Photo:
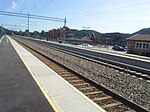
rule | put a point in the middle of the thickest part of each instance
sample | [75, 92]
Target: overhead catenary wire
[22, 6]
[12, 15]
[38, 1]
[90, 7]
[15, 14]
[25, 22]
[119, 8]
[44, 6]
[25, 4]
[31, 16]
[14, 25]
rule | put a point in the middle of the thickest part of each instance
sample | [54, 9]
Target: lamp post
[108, 40]
[86, 27]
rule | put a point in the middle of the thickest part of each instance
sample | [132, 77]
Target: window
[137, 45]
[142, 45]
[147, 46]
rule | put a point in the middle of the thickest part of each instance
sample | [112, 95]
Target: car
[125, 47]
[118, 48]
[61, 41]
[85, 45]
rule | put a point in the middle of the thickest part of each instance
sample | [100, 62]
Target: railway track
[125, 68]
[134, 64]
[104, 97]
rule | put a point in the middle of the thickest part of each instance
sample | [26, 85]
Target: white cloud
[13, 5]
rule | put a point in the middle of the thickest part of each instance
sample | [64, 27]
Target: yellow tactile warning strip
[42, 89]
[38, 83]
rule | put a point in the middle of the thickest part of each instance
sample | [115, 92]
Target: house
[139, 44]
[91, 37]
[54, 34]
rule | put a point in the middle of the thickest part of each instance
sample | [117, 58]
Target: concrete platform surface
[18, 91]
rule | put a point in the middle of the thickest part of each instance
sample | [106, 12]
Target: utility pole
[15, 28]
[65, 21]
[28, 22]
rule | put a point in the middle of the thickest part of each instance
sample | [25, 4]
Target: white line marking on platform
[1, 39]
[7, 40]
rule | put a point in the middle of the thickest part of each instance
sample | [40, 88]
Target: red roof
[140, 37]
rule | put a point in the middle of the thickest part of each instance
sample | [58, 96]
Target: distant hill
[82, 33]
[4, 31]
[143, 31]
[114, 38]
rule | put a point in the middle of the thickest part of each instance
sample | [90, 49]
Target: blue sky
[126, 16]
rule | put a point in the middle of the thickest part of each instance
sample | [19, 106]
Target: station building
[139, 44]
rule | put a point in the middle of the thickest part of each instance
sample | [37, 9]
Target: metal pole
[28, 22]
[15, 28]
[107, 43]
[65, 28]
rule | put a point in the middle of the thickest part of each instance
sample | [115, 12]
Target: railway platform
[28, 85]
[18, 90]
